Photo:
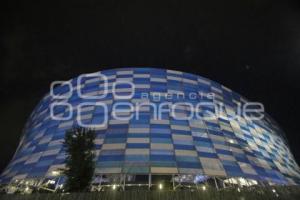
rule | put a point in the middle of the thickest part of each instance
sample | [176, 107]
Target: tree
[80, 165]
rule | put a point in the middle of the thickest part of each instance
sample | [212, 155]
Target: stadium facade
[142, 141]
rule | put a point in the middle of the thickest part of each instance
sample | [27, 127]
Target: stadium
[155, 128]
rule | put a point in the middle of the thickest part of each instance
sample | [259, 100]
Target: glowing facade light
[114, 187]
[273, 190]
[239, 190]
[160, 186]
[243, 181]
[203, 187]
[253, 182]
[55, 173]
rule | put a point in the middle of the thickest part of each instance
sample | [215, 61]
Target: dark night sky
[251, 46]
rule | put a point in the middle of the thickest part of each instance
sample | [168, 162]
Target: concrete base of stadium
[125, 182]
[281, 192]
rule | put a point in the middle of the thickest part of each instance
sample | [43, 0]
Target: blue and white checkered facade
[240, 147]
